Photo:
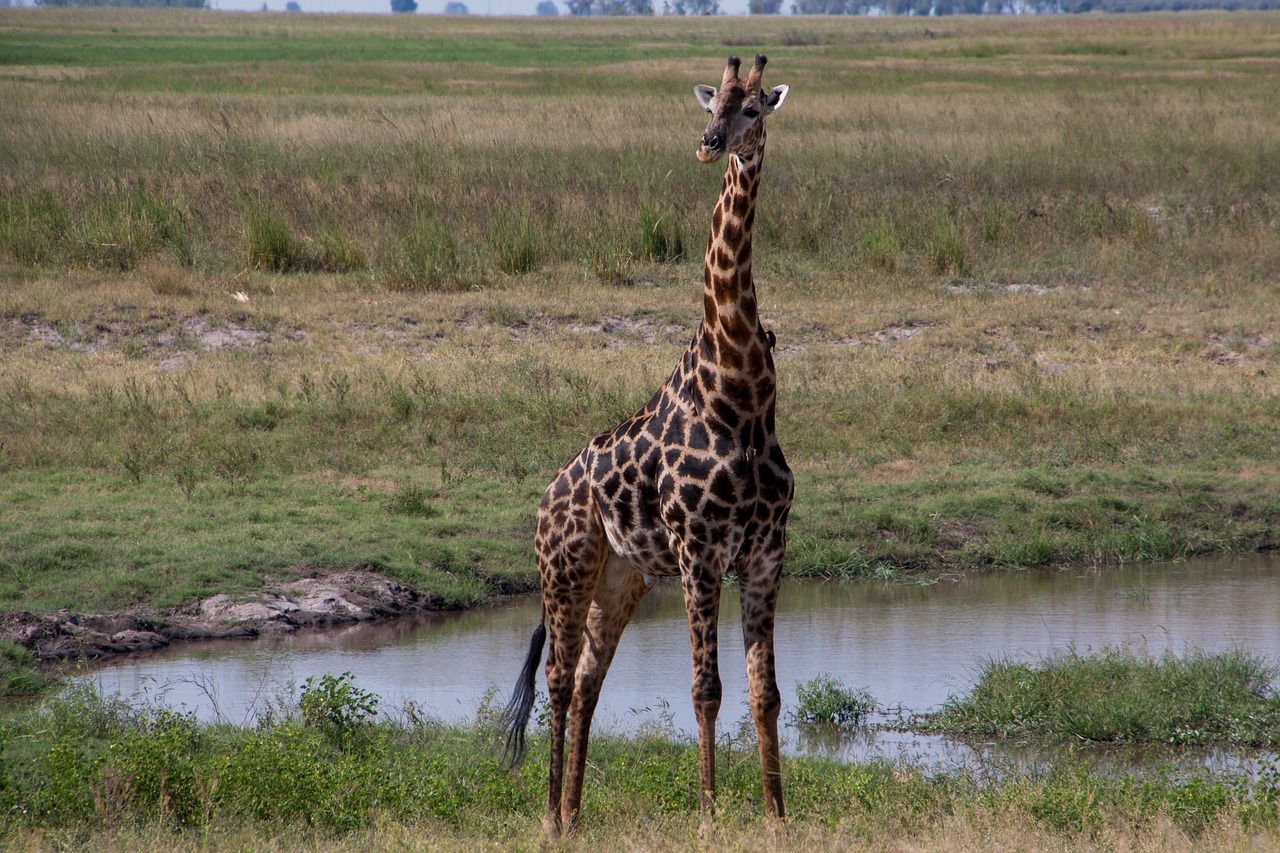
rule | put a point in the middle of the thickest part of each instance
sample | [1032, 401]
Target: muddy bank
[336, 599]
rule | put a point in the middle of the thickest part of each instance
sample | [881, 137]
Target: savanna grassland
[281, 295]
[290, 294]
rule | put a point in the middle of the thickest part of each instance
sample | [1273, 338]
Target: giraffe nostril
[711, 140]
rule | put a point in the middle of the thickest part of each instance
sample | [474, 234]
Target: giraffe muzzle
[712, 148]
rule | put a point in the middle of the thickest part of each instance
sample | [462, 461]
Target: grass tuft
[660, 238]
[426, 258]
[515, 242]
[269, 244]
[881, 246]
[944, 248]
[21, 677]
[825, 700]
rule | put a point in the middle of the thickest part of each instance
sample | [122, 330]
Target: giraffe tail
[515, 719]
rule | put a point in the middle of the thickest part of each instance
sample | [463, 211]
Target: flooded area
[911, 645]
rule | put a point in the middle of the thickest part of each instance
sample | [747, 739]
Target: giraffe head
[737, 112]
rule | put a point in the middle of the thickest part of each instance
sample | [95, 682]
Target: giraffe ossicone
[694, 485]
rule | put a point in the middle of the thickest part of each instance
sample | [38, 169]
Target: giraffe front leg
[759, 603]
[702, 606]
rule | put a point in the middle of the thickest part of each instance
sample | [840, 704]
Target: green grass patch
[21, 677]
[1118, 696]
[85, 765]
[234, 536]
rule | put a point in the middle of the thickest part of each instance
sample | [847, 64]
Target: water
[911, 645]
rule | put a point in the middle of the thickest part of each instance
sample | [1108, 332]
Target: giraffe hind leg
[616, 596]
[571, 549]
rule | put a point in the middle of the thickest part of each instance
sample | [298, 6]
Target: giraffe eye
[750, 112]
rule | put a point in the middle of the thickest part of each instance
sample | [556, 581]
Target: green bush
[825, 700]
[338, 709]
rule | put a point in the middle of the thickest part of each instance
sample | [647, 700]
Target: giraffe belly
[648, 552]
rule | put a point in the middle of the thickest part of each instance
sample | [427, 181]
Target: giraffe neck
[730, 314]
[734, 382]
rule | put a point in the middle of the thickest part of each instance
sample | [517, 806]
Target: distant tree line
[900, 7]
[128, 4]
[1071, 6]
[925, 7]
[997, 7]
[774, 7]
[408, 6]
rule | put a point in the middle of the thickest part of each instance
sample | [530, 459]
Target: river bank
[340, 598]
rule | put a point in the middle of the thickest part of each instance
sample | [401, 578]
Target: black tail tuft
[515, 719]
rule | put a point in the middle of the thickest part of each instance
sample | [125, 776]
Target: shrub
[825, 700]
[337, 708]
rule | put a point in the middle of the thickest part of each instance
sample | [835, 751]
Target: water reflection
[910, 645]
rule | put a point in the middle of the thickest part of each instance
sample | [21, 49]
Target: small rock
[139, 641]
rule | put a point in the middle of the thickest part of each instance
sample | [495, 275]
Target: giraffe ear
[704, 94]
[773, 100]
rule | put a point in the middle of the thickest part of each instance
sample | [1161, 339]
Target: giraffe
[694, 485]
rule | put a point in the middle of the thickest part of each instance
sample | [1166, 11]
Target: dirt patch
[623, 331]
[1234, 349]
[170, 339]
[336, 599]
[1015, 287]
[905, 332]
